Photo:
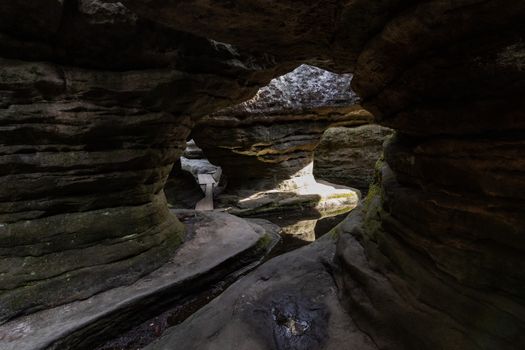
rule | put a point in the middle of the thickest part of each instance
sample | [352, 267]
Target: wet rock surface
[275, 308]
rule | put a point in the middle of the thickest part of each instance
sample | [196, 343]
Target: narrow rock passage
[98, 99]
[273, 307]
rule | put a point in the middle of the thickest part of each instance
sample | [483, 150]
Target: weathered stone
[219, 245]
[347, 156]
[439, 266]
[265, 145]
[181, 189]
[85, 152]
[434, 272]
[316, 199]
[268, 141]
[275, 308]
[192, 151]
[81, 195]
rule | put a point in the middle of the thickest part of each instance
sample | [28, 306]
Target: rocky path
[220, 244]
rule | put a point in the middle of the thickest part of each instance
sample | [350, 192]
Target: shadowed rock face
[443, 224]
[433, 261]
[327, 33]
[90, 126]
[441, 231]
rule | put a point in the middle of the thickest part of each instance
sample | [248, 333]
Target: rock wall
[440, 238]
[442, 232]
[95, 107]
[268, 142]
[81, 185]
[347, 156]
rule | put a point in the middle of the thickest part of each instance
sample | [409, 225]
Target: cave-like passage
[267, 146]
[98, 98]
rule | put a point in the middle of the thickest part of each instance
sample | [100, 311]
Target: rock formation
[181, 189]
[276, 308]
[266, 144]
[441, 232]
[219, 247]
[96, 105]
[97, 98]
[347, 155]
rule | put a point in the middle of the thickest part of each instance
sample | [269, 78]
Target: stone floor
[218, 244]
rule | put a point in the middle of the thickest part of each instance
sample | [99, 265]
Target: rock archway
[432, 260]
[437, 251]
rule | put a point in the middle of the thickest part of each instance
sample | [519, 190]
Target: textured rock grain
[91, 125]
[347, 156]
[435, 262]
[268, 142]
[440, 235]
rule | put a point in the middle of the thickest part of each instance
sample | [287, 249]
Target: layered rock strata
[90, 126]
[440, 240]
[268, 142]
[220, 248]
[347, 156]
[434, 262]
[265, 145]
[442, 231]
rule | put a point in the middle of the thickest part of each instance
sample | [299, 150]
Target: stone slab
[218, 238]
[290, 302]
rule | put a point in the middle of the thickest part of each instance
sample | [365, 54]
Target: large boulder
[347, 156]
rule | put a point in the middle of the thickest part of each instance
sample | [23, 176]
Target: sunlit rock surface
[265, 145]
[267, 141]
[347, 155]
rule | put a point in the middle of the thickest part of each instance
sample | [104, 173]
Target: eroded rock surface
[268, 142]
[441, 233]
[219, 246]
[347, 156]
[275, 308]
[440, 241]
[181, 189]
[90, 127]
[265, 145]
